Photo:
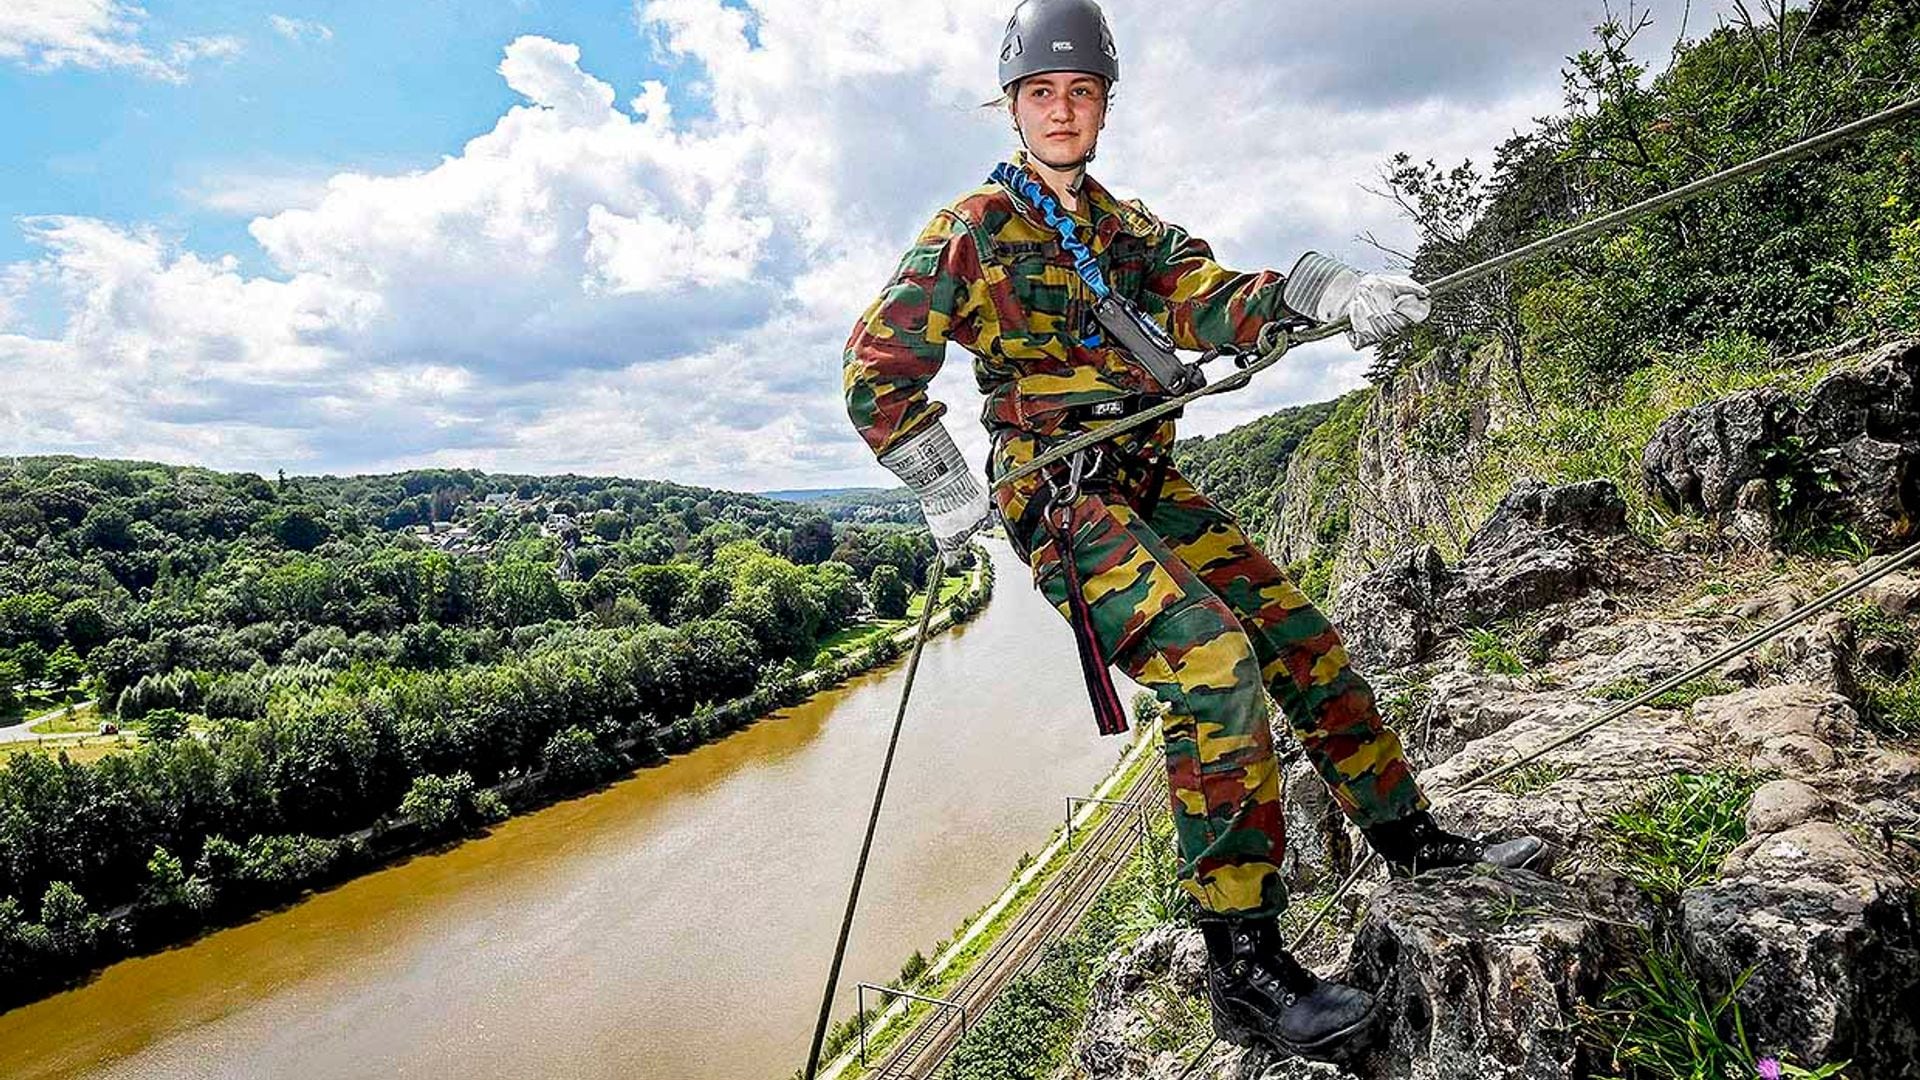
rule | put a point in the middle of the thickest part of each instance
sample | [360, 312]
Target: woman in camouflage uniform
[1152, 575]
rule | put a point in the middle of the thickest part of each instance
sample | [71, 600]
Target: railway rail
[1103, 850]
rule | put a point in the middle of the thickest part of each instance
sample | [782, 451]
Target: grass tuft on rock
[1892, 705]
[1680, 697]
[1674, 837]
[1490, 653]
[1657, 1023]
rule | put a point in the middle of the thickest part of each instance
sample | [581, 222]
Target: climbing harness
[1060, 505]
[1273, 343]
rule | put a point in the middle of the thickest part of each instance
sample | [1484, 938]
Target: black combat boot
[1415, 843]
[1261, 994]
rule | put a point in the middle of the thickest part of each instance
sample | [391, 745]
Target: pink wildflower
[1769, 1068]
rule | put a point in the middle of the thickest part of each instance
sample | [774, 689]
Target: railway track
[1102, 851]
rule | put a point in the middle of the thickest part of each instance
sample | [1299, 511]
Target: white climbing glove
[954, 503]
[1377, 306]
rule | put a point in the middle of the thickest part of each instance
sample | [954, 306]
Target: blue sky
[392, 88]
[631, 237]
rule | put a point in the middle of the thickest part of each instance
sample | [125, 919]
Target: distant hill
[1238, 468]
[872, 506]
[808, 495]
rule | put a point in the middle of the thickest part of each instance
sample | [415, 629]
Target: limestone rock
[1791, 728]
[1852, 453]
[1540, 545]
[1829, 931]
[1388, 617]
[1479, 971]
[1317, 849]
[1593, 508]
[1113, 1043]
[1783, 804]
[1700, 458]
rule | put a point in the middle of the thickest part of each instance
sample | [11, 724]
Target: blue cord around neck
[1023, 184]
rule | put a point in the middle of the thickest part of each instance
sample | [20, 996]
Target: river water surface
[676, 926]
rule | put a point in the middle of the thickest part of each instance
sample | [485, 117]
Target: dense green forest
[1236, 469]
[303, 656]
[1563, 367]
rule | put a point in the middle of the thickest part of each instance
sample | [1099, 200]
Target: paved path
[23, 731]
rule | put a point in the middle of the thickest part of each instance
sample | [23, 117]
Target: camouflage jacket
[989, 273]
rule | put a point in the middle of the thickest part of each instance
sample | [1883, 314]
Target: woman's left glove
[1377, 306]
[953, 502]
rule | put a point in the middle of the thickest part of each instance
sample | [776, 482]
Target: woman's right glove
[953, 502]
[1377, 306]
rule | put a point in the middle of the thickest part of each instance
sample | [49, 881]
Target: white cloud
[253, 192]
[98, 34]
[300, 29]
[662, 287]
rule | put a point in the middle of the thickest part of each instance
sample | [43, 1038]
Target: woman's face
[1060, 116]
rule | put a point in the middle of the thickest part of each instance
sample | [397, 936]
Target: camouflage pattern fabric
[1191, 609]
[989, 273]
[1179, 597]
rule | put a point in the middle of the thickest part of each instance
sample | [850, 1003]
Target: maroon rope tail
[1108, 714]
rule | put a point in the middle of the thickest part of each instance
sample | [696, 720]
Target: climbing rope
[1273, 344]
[934, 575]
[1578, 731]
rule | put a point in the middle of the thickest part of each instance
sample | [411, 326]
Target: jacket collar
[1101, 208]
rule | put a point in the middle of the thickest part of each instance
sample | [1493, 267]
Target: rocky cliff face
[1848, 455]
[1402, 473]
[1781, 800]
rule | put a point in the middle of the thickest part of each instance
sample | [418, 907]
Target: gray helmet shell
[1058, 35]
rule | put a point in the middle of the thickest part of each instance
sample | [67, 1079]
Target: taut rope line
[1274, 343]
[1578, 731]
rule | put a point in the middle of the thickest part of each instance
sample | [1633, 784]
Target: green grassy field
[854, 638]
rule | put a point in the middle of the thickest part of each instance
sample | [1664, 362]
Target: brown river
[675, 926]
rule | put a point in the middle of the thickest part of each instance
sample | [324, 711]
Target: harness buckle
[1080, 465]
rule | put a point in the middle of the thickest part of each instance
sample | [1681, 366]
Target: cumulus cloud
[662, 285]
[98, 34]
[300, 29]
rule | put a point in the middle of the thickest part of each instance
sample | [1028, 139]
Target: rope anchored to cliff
[1274, 342]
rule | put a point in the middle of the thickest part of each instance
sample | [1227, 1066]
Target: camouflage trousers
[1186, 605]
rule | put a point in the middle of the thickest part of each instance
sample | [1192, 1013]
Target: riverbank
[955, 957]
[177, 911]
[674, 925]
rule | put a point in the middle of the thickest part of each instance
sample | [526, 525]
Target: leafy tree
[166, 725]
[119, 664]
[438, 803]
[72, 931]
[812, 541]
[82, 624]
[29, 617]
[887, 591]
[522, 592]
[31, 660]
[170, 889]
[65, 669]
[298, 528]
[574, 761]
